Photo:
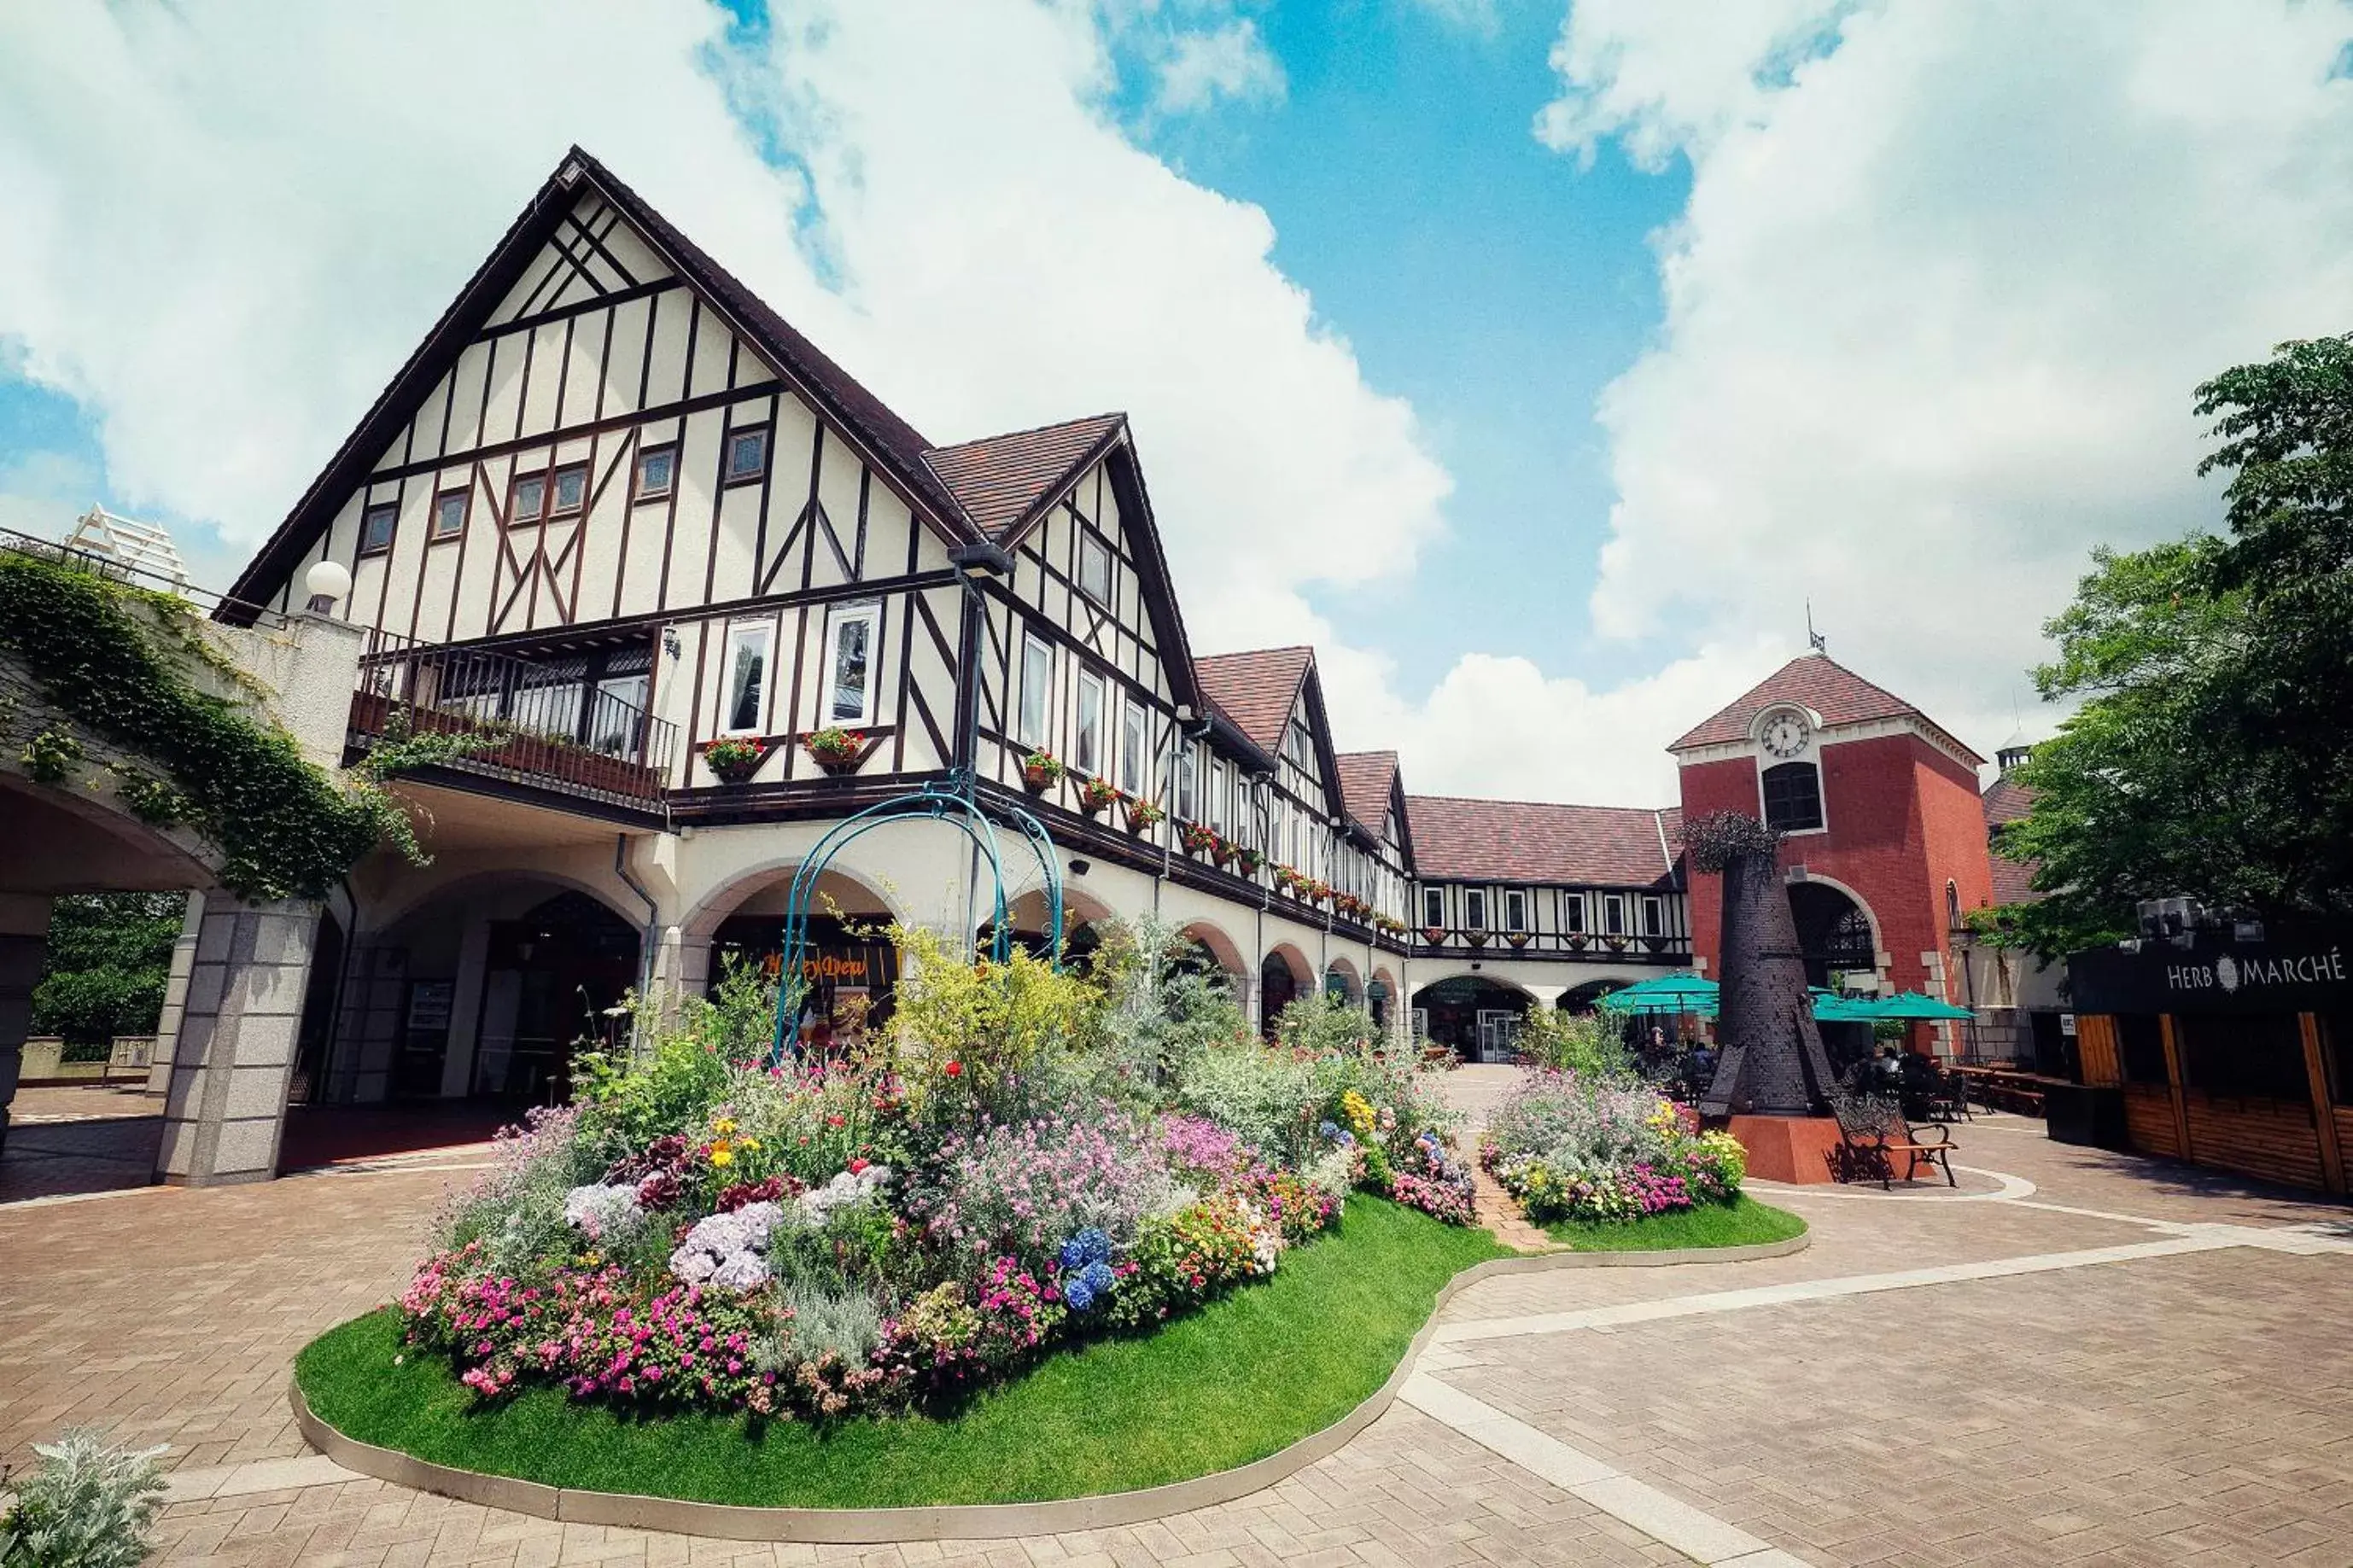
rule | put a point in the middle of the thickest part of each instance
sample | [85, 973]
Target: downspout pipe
[652, 943]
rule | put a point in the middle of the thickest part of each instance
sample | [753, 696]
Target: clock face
[1784, 734]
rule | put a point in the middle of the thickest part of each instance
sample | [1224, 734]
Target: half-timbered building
[696, 595]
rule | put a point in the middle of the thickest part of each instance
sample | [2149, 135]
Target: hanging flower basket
[1097, 795]
[1578, 941]
[1434, 935]
[1200, 838]
[1475, 938]
[1516, 938]
[1040, 771]
[836, 749]
[1223, 852]
[1249, 861]
[1617, 944]
[734, 758]
[1143, 816]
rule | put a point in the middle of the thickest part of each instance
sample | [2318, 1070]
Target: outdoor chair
[1874, 1134]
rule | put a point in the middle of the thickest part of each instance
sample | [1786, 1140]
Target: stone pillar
[368, 1021]
[23, 948]
[226, 1108]
[175, 997]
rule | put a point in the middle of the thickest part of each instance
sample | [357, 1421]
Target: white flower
[726, 1249]
[597, 1208]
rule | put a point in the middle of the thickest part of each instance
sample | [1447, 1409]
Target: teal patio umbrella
[1663, 993]
[1910, 1005]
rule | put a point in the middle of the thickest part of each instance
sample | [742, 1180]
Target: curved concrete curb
[968, 1522]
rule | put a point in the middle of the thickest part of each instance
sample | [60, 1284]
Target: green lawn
[1248, 1374]
[1742, 1223]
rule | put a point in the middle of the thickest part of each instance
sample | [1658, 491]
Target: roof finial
[1815, 640]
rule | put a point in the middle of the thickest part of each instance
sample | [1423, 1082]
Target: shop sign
[2291, 973]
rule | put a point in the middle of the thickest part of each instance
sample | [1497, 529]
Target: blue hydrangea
[1089, 1245]
[1099, 1278]
[1078, 1293]
[1330, 1129]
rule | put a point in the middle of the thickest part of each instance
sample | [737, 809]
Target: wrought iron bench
[1874, 1134]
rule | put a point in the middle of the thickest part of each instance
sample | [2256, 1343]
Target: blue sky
[1495, 284]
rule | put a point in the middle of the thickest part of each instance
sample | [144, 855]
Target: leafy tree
[2212, 754]
[109, 955]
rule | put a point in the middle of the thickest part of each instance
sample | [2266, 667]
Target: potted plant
[1143, 816]
[734, 758]
[1617, 944]
[1223, 851]
[1287, 879]
[837, 750]
[1096, 795]
[1040, 771]
[1434, 935]
[1475, 938]
[1578, 941]
[1249, 861]
[1516, 938]
[1199, 837]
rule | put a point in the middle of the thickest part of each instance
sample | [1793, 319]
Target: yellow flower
[747, 1143]
[722, 1157]
[723, 1126]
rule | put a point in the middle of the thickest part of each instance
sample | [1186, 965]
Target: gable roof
[889, 442]
[1814, 681]
[1458, 838]
[1366, 778]
[1003, 481]
[2007, 800]
[1256, 691]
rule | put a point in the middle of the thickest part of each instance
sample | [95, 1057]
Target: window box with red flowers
[837, 750]
[734, 758]
[1434, 935]
[1287, 880]
[1200, 839]
[1040, 771]
[1223, 851]
[1143, 816]
[1097, 795]
[1249, 861]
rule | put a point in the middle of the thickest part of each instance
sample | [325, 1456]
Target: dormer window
[376, 526]
[1094, 569]
[1793, 797]
[747, 456]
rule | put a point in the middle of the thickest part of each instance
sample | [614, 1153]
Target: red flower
[955, 1070]
[856, 1166]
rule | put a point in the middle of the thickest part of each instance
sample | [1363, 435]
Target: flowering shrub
[1569, 1148]
[1021, 1157]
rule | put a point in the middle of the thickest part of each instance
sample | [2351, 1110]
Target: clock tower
[1883, 840]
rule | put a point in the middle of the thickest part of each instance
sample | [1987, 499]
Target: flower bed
[1594, 1151]
[1023, 1160]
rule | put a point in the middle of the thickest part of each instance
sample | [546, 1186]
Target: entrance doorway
[549, 978]
[1833, 933]
[1477, 1019]
[1277, 989]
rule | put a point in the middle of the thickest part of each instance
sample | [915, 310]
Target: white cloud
[1229, 63]
[1937, 301]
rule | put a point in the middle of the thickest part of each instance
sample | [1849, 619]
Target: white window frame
[1573, 914]
[1654, 915]
[1613, 915]
[1034, 704]
[739, 634]
[1186, 775]
[870, 615]
[1087, 731]
[1515, 910]
[1822, 795]
[1134, 746]
[1427, 895]
[1474, 909]
[1091, 549]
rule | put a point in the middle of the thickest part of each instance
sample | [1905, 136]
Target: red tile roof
[1364, 780]
[1257, 690]
[1814, 681]
[2007, 800]
[1534, 841]
[1003, 480]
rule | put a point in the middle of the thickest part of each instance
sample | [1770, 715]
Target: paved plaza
[2080, 1357]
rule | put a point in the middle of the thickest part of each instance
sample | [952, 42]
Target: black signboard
[2306, 970]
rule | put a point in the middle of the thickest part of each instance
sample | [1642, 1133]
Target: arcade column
[23, 948]
[225, 1108]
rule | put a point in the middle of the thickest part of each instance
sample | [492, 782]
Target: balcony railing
[542, 722]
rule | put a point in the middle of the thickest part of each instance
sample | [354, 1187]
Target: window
[1134, 761]
[2257, 1056]
[1095, 568]
[850, 664]
[570, 491]
[747, 455]
[2337, 1047]
[527, 499]
[1572, 914]
[1433, 908]
[656, 471]
[1654, 917]
[376, 524]
[1613, 915]
[450, 513]
[2140, 1048]
[1793, 797]
[1087, 746]
[746, 677]
[1185, 784]
[1516, 910]
[1474, 909]
[617, 726]
[1037, 690]
[1952, 906]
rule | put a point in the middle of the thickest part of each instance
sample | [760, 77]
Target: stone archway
[1220, 953]
[1283, 976]
[1381, 998]
[1474, 1015]
[848, 965]
[1340, 980]
[1835, 930]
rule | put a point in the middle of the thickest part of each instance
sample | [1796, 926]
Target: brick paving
[2194, 1408]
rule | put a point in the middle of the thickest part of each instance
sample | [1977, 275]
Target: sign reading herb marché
[2306, 971]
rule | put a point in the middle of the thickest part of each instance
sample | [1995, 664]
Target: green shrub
[1591, 1047]
[89, 1505]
